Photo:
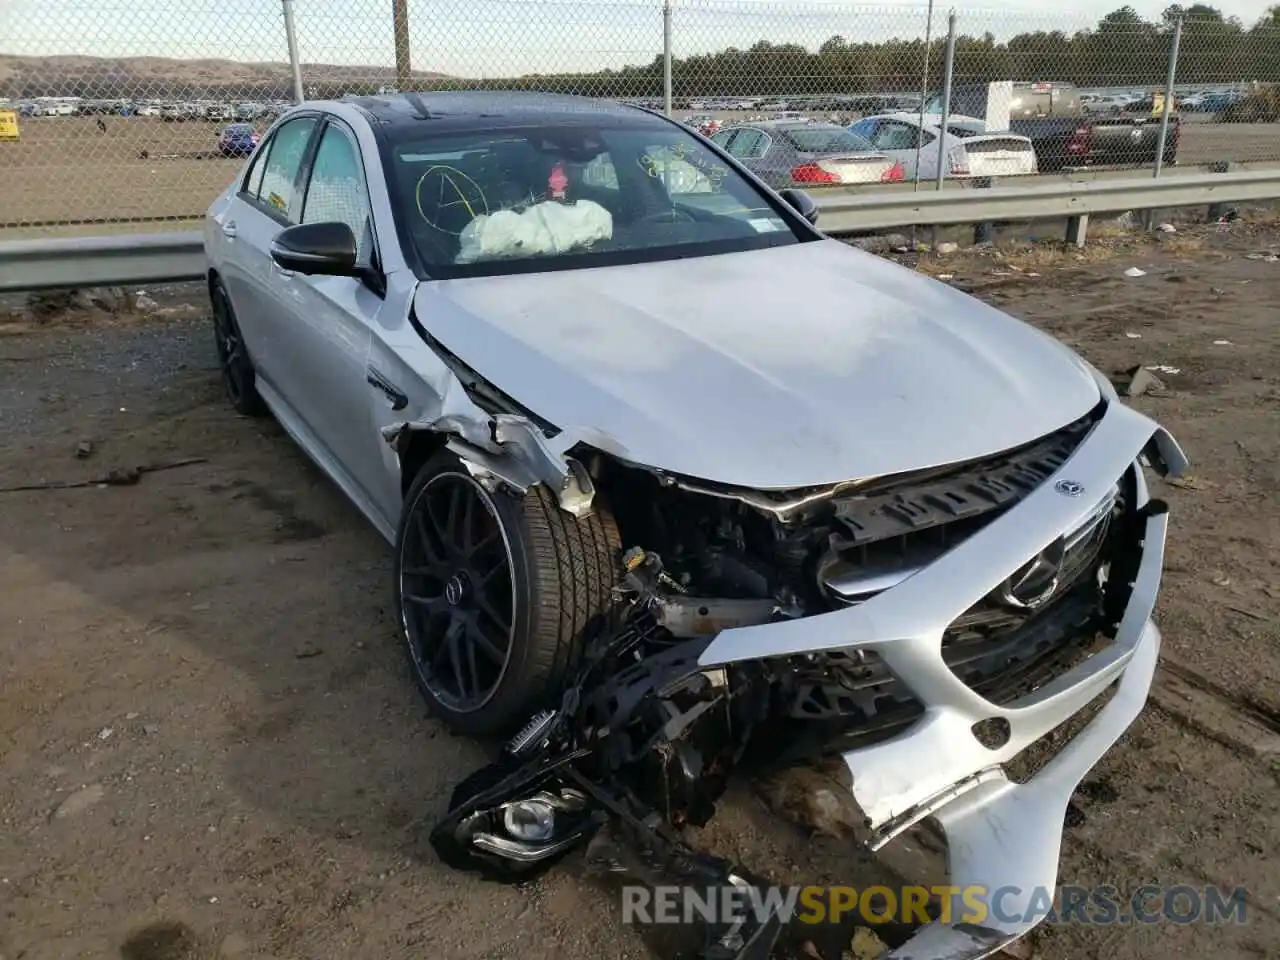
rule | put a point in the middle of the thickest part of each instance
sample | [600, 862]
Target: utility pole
[400, 14]
[291, 40]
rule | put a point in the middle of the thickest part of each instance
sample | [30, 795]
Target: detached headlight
[529, 820]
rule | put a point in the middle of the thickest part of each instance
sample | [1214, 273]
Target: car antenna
[420, 108]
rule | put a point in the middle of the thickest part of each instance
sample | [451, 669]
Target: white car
[1110, 105]
[966, 150]
[677, 483]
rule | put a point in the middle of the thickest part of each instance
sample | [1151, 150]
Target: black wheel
[233, 359]
[496, 595]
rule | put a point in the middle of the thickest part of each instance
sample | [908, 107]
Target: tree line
[1124, 49]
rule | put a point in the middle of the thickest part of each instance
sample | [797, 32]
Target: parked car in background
[237, 140]
[1261, 106]
[1051, 116]
[1222, 101]
[803, 153]
[705, 124]
[1109, 105]
[966, 149]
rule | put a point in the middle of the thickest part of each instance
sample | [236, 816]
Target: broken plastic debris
[945, 276]
[865, 945]
[1164, 368]
[1222, 343]
[1134, 336]
[1142, 381]
[1167, 228]
[1135, 272]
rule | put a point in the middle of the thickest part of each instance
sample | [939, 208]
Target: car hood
[770, 369]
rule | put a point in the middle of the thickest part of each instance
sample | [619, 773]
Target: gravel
[97, 363]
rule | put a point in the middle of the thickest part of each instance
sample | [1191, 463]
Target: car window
[723, 137]
[749, 144]
[253, 182]
[679, 174]
[337, 191]
[897, 136]
[598, 173]
[279, 178]
[824, 138]
[574, 194]
[865, 129]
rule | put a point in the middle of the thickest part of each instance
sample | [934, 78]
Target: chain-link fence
[139, 113]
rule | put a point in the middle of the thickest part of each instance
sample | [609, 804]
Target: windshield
[516, 199]
[820, 138]
[966, 129]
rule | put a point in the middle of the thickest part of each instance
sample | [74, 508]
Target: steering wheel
[669, 215]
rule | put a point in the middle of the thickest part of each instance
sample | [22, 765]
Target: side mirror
[803, 204]
[325, 249]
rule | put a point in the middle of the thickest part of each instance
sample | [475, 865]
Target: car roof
[931, 120]
[792, 124]
[467, 109]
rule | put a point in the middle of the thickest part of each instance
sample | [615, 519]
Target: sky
[479, 38]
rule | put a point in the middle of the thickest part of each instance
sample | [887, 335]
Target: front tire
[497, 595]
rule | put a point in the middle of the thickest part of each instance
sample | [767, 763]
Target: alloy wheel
[457, 592]
[230, 347]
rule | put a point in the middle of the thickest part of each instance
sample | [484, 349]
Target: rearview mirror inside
[325, 249]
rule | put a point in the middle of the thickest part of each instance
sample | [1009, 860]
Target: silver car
[805, 153]
[662, 517]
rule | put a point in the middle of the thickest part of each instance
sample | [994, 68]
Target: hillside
[164, 76]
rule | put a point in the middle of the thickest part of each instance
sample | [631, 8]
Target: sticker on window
[764, 225]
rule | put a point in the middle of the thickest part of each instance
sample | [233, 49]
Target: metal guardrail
[855, 213]
[170, 257]
[126, 260]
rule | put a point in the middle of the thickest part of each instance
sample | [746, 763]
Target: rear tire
[497, 595]
[238, 379]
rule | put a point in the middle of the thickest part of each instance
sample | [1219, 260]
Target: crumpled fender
[503, 449]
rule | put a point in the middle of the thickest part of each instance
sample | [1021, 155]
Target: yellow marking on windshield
[452, 182]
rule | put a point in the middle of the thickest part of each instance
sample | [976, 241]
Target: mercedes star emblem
[1069, 488]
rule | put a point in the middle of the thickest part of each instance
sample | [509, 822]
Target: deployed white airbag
[543, 229]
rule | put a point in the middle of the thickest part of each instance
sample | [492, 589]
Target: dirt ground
[66, 169]
[210, 747]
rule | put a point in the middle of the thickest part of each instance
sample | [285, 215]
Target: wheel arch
[419, 447]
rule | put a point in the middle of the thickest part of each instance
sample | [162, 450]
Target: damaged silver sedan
[681, 488]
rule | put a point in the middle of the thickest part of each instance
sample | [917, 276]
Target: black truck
[1062, 134]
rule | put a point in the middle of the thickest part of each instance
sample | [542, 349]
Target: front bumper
[1004, 838]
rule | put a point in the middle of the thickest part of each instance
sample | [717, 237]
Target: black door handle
[399, 399]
